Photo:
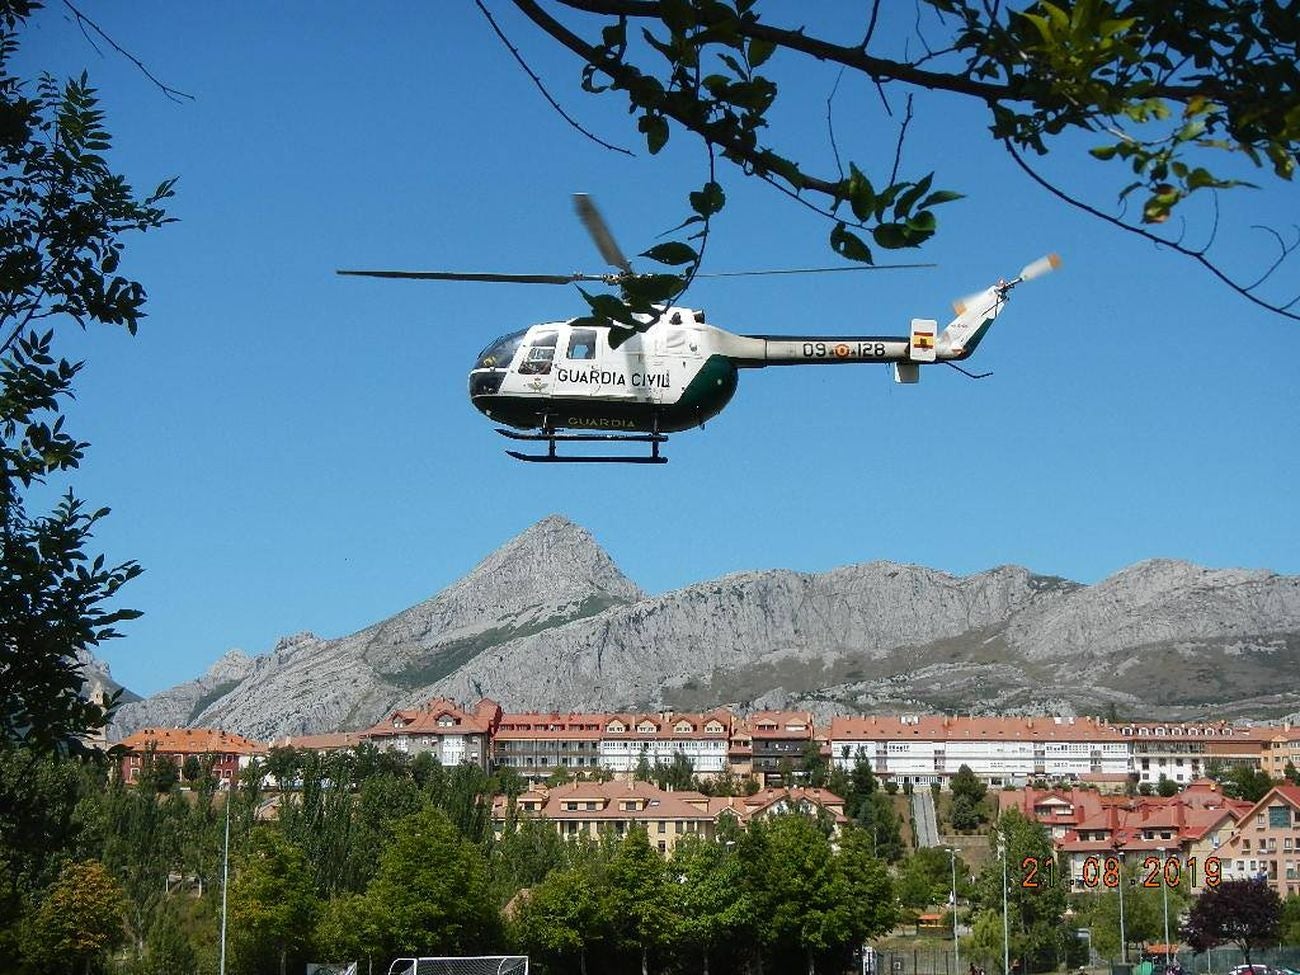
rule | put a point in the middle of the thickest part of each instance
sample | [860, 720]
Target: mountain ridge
[548, 621]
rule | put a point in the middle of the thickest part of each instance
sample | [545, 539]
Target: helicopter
[587, 380]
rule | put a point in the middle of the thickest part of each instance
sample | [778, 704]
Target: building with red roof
[593, 808]
[227, 751]
[1266, 842]
[1089, 829]
[442, 728]
[701, 738]
[536, 744]
[927, 748]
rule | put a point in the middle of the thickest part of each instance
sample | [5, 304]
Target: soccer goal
[461, 965]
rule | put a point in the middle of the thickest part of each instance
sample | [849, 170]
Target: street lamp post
[1123, 939]
[956, 952]
[1164, 897]
[225, 877]
[1006, 930]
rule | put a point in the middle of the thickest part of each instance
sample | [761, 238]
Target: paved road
[927, 826]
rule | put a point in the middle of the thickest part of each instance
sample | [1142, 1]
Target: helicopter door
[581, 369]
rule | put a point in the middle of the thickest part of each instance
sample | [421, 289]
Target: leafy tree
[1161, 101]
[562, 776]
[785, 771]
[40, 823]
[524, 856]
[638, 904]
[800, 890]
[1143, 907]
[677, 775]
[80, 918]
[871, 892]
[346, 927]
[1246, 912]
[64, 216]
[1290, 773]
[643, 771]
[966, 783]
[167, 948]
[966, 815]
[1290, 920]
[1033, 913]
[432, 888]
[272, 904]
[141, 846]
[1247, 782]
[816, 766]
[708, 897]
[1166, 786]
[564, 915]
[925, 878]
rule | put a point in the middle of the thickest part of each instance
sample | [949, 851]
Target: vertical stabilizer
[975, 313]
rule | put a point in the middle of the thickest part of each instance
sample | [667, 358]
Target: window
[582, 343]
[537, 361]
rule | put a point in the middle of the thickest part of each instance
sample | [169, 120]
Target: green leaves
[65, 213]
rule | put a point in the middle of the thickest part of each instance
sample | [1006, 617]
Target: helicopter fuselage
[674, 376]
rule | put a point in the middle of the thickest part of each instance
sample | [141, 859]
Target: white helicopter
[558, 382]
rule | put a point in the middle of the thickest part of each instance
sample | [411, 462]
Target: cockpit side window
[582, 343]
[541, 351]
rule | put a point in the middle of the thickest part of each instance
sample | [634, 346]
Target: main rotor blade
[811, 270]
[595, 224]
[468, 276]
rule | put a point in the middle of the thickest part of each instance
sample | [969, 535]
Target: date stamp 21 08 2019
[1096, 871]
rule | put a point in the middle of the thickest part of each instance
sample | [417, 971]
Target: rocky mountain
[552, 574]
[548, 621]
[181, 705]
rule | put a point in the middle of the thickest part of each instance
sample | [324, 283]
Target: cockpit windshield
[501, 351]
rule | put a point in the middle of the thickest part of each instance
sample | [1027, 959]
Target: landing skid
[551, 438]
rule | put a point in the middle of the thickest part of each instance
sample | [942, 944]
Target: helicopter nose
[485, 382]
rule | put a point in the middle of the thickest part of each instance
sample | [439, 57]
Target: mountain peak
[552, 560]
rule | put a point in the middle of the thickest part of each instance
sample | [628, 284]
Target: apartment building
[227, 751]
[1184, 751]
[537, 744]
[1266, 842]
[591, 808]
[451, 734]
[774, 801]
[778, 740]
[1144, 832]
[925, 749]
[1283, 749]
[703, 739]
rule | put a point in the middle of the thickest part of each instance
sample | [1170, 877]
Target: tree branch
[1197, 256]
[542, 88]
[881, 69]
[83, 22]
[627, 76]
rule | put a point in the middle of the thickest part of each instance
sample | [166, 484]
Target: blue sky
[287, 450]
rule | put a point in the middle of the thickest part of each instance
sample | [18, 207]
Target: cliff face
[548, 621]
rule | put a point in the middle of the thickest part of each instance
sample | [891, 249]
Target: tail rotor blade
[1038, 268]
[595, 224]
